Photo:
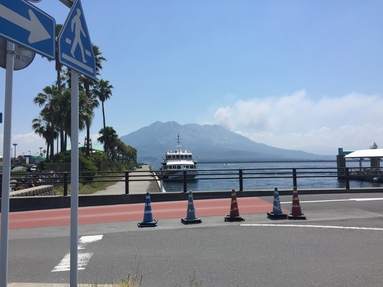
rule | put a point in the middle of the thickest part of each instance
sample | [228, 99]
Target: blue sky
[292, 74]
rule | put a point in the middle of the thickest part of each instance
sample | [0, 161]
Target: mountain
[207, 142]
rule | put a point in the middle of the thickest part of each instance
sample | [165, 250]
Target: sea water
[278, 174]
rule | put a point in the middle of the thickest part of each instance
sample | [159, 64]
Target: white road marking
[310, 226]
[84, 240]
[366, 199]
[64, 265]
[83, 258]
[318, 201]
[335, 200]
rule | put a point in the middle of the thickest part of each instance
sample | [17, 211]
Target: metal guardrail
[240, 175]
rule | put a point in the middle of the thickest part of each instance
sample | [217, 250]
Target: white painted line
[310, 226]
[366, 199]
[83, 258]
[85, 240]
[64, 265]
[318, 201]
[336, 200]
[76, 62]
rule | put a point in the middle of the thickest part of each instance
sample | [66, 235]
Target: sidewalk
[135, 186]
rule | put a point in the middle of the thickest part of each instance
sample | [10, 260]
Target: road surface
[339, 245]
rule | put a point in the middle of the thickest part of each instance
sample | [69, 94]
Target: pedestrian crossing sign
[75, 47]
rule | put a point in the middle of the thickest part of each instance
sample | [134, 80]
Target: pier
[372, 172]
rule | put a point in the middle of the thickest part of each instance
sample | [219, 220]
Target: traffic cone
[190, 213]
[148, 216]
[277, 211]
[234, 212]
[296, 212]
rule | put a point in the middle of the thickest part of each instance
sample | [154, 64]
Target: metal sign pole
[10, 62]
[74, 180]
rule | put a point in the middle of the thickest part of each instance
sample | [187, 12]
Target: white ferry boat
[176, 162]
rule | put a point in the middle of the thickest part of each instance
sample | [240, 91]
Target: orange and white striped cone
[148, 216]
[277, 210]
[190, 213]
[234, 211]
[296, 212]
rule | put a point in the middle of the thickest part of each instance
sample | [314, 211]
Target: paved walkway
[135, 187]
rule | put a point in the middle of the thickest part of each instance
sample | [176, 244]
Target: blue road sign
[75, 47]
[25, 24]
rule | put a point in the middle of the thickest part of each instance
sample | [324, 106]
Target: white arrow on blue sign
[75, 47]
[25, 24]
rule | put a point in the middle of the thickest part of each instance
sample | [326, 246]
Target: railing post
[185, 182]
[126, 182]
[65, 184]
[162, 185]
[347, 179]
[294, 177]
[240, 180]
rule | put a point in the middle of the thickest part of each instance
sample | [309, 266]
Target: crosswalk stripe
[83, 257]
[64, 265]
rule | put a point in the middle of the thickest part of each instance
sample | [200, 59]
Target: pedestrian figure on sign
[78, 30]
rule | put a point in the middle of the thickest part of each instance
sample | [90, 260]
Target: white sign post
[76, 52]
[74, 165]
[25, 24]
[10, 62]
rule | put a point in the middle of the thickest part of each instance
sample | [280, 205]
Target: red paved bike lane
[135, 212]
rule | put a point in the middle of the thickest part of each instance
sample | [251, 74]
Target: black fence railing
[246, 175]
[237, 175]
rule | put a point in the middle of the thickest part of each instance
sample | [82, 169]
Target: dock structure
[371, 172]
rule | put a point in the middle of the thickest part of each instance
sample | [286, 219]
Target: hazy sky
[291, 74]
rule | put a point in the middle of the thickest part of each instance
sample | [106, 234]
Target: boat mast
[178, 144]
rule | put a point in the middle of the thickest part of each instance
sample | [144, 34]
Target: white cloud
[353, 121]
[30, 143]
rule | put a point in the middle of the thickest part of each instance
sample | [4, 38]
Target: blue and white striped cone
[148, 216]
[190, 214]
[277, 210]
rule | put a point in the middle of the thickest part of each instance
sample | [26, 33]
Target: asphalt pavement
[338, 245]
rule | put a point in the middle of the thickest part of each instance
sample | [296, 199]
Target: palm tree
[63, 118]
[48, 113]
[98, 59]
[46, 130]
[109, 138]
[103, 90]
[88, 113]
[57, 112]
[86, 84]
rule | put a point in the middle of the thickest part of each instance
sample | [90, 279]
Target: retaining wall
[33, 191]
